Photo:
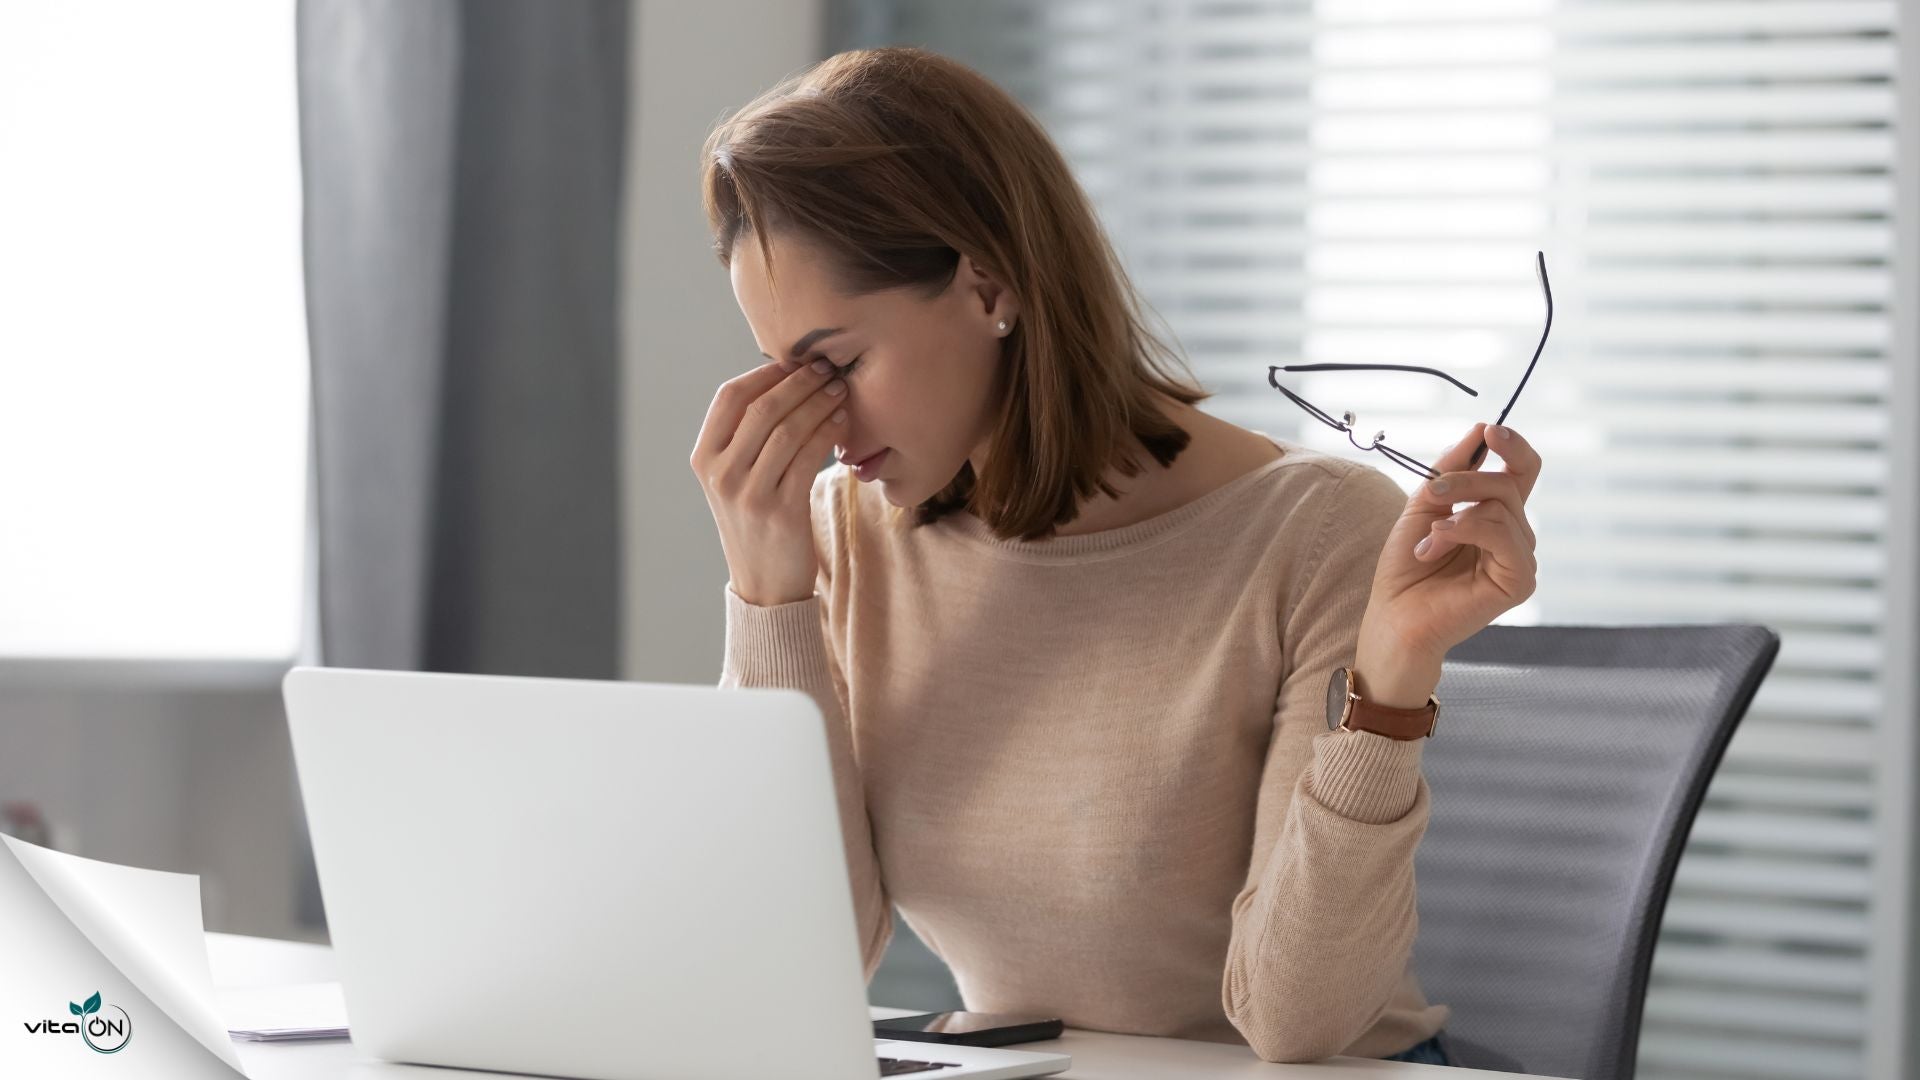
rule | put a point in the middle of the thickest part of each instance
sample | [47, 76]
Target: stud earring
[1003, 326]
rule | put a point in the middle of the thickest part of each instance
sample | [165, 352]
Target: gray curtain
[462, 167]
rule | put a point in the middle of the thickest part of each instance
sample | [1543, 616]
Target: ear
[986, 297]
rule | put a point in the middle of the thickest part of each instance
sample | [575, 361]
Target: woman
[1073, 637]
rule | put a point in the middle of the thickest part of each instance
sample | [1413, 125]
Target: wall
[172, 767]
[684, 334]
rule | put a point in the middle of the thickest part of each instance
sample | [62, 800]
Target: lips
[856, 462]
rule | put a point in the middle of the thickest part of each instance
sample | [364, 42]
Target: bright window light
[153, 353]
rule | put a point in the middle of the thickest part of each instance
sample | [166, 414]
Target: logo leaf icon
[72, 1008]
[92, 1005]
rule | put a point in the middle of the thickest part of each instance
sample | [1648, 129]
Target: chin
[903, 491]
[893, 492]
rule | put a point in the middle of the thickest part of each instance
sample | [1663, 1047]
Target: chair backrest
[1566, 770]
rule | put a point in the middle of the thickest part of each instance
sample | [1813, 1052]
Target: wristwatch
[1348, 711]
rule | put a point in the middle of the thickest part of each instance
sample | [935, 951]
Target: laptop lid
[582, 878]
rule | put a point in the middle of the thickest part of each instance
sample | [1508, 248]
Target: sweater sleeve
[1323, 929]
[791, 646]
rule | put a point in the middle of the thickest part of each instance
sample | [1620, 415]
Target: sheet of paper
[145, 924]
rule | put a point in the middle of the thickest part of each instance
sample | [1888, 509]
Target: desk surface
[245, 961]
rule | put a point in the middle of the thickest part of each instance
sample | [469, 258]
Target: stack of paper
[281, 1013]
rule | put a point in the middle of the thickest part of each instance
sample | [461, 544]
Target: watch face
[1336, 697]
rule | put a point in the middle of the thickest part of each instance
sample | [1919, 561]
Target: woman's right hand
[759, 449]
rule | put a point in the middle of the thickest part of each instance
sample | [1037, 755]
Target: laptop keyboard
[900, 1066]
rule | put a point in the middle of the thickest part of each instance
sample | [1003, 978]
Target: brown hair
[897, 160]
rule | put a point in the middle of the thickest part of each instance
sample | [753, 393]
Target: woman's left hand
[1444, 575]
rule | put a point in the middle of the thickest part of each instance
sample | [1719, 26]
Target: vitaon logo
[104, 1034]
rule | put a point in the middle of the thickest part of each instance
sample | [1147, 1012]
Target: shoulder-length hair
[897, 160]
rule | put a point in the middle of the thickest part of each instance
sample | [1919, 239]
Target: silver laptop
[592, 879]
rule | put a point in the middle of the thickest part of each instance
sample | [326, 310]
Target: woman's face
[920, 373]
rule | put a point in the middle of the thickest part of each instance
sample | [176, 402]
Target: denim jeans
[1426, 1053]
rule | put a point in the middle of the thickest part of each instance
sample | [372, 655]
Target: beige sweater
[1094, 772]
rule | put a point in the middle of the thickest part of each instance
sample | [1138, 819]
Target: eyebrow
[807, 341]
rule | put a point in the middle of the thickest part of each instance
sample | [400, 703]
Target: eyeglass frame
[1407, 461]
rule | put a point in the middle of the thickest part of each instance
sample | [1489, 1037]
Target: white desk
[246, 961]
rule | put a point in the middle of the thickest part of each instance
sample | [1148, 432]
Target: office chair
[1566, 770]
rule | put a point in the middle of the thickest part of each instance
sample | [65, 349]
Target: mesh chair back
[1566, 770]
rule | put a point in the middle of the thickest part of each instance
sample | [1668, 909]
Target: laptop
[592, 879]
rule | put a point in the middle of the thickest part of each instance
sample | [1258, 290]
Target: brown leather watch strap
[1349, 710]
[1401, 724]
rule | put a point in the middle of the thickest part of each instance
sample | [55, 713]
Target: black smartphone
[969, 1028]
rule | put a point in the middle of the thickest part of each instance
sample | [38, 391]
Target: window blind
[1713, 186]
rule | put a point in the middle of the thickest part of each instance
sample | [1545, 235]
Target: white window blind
[1713, 186]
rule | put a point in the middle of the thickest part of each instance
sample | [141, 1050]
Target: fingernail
[1421, 547]
[839, 415]
[1438, 487]
[835, 388]
[822, 366]
[1502, 432]
[1444, 524]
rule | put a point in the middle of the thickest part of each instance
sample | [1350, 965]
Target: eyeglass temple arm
[1374, 367]
[1540, 267]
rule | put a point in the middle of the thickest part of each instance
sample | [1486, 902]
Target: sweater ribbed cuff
[1364, 776]
[781, 645]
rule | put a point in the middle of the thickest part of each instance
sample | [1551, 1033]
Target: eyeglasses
[1346, 421]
